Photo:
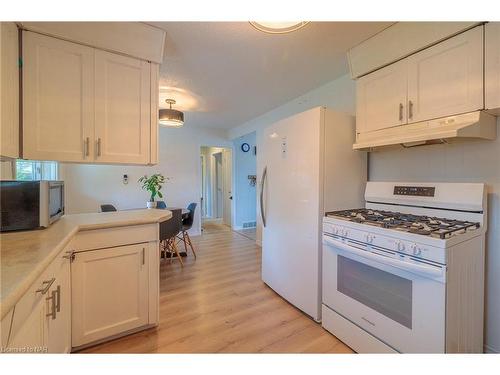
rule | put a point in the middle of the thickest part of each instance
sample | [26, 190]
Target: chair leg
[190, 243]
[177, 252]
[184, 240]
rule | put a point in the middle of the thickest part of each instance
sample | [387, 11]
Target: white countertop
[25, 255]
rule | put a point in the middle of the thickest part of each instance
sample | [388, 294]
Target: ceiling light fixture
[278, 27]
[171, 117]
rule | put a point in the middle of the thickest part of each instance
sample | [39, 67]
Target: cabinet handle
[58, 301]
[143, 256]
[48, 284]
[98, 146]
[410, 109]
[86, 147]
[400, 111]
[52, 298]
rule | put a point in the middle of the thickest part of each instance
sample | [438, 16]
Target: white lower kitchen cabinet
[41, 319]
[110, 292]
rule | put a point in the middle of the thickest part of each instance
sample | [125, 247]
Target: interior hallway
[218, 303]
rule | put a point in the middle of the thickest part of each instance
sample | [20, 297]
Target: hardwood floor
[218, 303]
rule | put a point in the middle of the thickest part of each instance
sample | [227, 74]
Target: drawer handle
[410, 109]
[48, 284]
[400, 111]
[52, 298]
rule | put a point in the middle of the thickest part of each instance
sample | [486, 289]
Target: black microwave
[30, 204]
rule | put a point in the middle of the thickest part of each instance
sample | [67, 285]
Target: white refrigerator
[307, 167]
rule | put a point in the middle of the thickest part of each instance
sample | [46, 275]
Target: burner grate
[423, 225]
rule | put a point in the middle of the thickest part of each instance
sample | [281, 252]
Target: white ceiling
[225, 73]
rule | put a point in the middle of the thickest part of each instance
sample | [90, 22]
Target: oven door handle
[415, 268]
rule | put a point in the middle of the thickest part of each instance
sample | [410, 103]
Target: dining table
[184, 212]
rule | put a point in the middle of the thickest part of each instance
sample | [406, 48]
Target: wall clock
[245, 147]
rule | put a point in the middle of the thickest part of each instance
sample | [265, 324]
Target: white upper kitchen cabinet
[492, 67]
[122, 121]
[9, 85]
[381, 98]
[110, 292]
[58, 99]
[446, 79]
[82, 104]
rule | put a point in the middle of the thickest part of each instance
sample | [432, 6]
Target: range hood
[472, 125]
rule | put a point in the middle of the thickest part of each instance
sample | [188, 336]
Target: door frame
[229, 146]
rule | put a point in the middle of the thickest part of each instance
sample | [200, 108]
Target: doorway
[216, 186]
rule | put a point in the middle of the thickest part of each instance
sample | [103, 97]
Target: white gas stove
[406, 273]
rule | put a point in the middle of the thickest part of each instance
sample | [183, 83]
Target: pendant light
[171, 117]
[278, 27]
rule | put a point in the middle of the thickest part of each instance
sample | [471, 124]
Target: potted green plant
[153, 185]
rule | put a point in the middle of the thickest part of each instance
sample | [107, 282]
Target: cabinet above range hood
[472, 125]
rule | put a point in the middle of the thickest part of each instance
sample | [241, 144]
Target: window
[36, 170]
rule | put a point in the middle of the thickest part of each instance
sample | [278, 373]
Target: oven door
[400, 303]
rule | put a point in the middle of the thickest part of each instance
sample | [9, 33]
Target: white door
[492, 66]
[447, 79]
[9, 112]
[59, 324]
[290, 209]
[109, 292]
[401, 305]
[219, 186]
[381, 98]
[228, 195]
[122, 126]
[58, 99]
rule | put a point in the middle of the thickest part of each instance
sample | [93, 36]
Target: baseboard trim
[491, 350]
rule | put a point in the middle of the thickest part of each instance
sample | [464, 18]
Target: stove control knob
[369, 238]
[416, 250]
[400, 246]
[335, 230]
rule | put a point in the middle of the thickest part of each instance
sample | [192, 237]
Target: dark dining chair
[187, 224]
[161, 205]
[169, 230]
[107, 208]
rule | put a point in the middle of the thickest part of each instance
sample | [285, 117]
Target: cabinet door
[58, 99]
[492, 66]
[122, 109]
[59, 325]
[447, 79]
[31, 336]
[381, 98]
[9, 118]
[109, 292]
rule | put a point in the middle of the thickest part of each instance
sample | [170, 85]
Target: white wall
[88, 186]
[474, 161]
[244, 194]
[338, 94]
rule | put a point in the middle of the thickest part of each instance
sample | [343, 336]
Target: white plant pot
[151, 204]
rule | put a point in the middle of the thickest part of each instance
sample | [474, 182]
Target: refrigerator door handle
[262, 181]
